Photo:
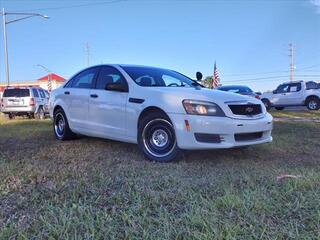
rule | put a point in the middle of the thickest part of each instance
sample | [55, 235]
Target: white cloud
[316, 3]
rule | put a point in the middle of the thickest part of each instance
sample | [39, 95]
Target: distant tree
[207, 82]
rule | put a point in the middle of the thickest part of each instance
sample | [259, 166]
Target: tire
[313, 103]
[40, 114]
[156, 138]
[266, 103]
[279, 108]
[9, 116]
[61, 127]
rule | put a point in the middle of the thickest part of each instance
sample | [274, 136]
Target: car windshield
[16, 92]
[236, 89]
[157, 77]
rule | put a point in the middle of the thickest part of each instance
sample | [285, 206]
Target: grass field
[296, 114]
[99, 189]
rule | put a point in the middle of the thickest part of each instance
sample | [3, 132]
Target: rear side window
[312, 85]
[85, 79]
[42, 94]
[35, 93]
[295, 87]
[16, 92]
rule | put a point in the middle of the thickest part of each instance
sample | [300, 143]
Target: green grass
[99, 189]
[296, 114]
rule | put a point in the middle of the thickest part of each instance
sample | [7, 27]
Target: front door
[107, 108]
[279, 96]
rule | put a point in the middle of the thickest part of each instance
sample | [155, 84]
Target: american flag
[215, 77]
[49, 83]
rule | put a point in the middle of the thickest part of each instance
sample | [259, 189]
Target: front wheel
[157, 138]
[266, 103]
[313, 103]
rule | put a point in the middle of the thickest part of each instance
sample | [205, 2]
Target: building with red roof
[56, 81]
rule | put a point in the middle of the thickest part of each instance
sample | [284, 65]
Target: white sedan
[161, 110]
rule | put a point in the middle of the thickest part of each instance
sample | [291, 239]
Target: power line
[75, 6]
[272, 77]
[261, 73]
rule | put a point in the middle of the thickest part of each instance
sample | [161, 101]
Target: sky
[248, 39]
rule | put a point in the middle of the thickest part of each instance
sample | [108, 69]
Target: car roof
[234, 86]
[291, 82]
[126, 65]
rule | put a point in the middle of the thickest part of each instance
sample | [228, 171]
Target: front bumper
[224, 127]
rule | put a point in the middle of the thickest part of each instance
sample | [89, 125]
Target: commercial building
[43, 82]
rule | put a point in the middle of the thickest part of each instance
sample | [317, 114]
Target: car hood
[205, 94]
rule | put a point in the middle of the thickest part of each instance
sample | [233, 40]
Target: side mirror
[116, 87]
[274, 91]
[259, 93]
[199, 76]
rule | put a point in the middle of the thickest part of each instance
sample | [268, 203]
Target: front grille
[248, 109]
[239, 137]
[208, 138]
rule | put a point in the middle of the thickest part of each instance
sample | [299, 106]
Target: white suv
[295, 93]
[161, 110]
[25, 101]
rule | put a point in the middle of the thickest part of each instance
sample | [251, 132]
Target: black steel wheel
[157, 138]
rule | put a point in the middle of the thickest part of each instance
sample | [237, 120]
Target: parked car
[243, 90]
[161, 110]
[24, 101]
[298, 93]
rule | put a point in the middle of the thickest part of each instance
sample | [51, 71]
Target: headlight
[195, 107]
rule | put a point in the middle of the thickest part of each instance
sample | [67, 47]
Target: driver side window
[283, 88]
[171, 81]
[109, 75]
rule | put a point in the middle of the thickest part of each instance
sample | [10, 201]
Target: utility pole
[291, 55]
[88, 53]
[5, 23]
[6, 62]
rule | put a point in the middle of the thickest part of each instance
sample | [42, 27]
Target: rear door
[78, 97]
[36, 97]
[107, 109]
[43, 99]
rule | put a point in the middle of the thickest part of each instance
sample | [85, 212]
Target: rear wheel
[313, 103]
[40, 114]
[266, 103]
[9, 116]
[156, 138]
[279, 108]
[61, 127]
